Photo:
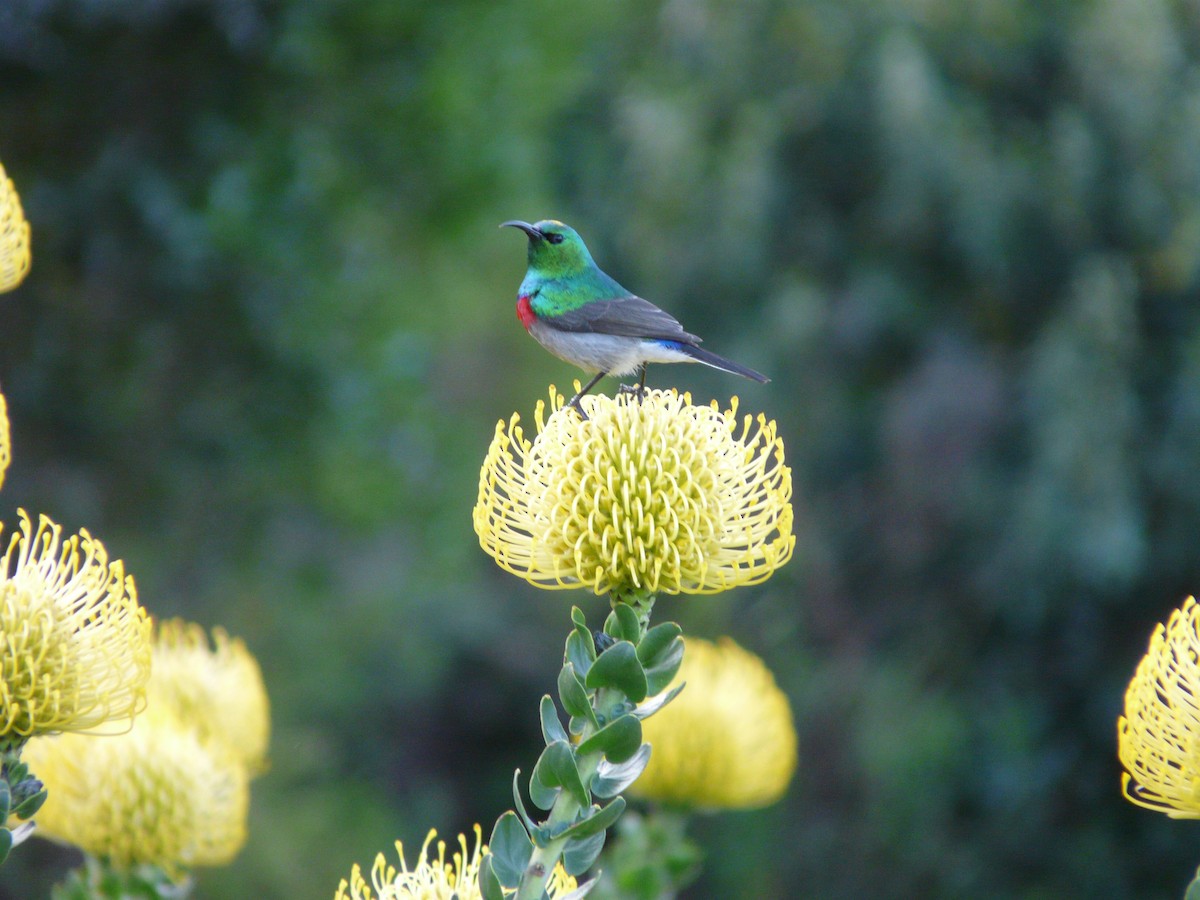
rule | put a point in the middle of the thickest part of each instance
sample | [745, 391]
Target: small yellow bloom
[74, 643]
[5, 447]
[657, 495]
[155, 795]
[728, 740]
[218, 691]
[434, 879]
[14, 236]
[1159, 735]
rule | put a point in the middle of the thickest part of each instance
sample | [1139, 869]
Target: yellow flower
[173, 791]
[14, 236]
[218, 692]
[434, 879]
[74, 643]
[727, 741]
[657, 495]
[1159, 736]
[157, 794]
[5, 447]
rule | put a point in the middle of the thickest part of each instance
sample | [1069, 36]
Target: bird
[570, 306]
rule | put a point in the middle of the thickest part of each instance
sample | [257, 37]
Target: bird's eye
[553, 238]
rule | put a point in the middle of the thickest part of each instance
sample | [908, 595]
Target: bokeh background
[269, 330]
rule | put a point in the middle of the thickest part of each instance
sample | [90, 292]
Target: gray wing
[625, 317]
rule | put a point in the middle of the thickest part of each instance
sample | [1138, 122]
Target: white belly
[604, 352]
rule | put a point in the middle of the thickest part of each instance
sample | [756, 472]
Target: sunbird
[583, 316]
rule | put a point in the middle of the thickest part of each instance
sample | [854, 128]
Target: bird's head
[555, 249]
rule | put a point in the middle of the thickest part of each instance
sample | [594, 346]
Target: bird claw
[574, 403]
[634, 390]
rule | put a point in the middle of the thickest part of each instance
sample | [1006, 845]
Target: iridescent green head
[555, 249]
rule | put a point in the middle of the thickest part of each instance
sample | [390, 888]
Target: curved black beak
[534, 234]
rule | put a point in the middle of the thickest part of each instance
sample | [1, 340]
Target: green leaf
[657, 702]
[612, 778]
[585, 635]
[661, 672]
[552, 729]
[625, 624]
[618, 740]
[519, 804]
[582, 891]
[618, 667]
[6, 841]
[598, 821]
[580, 854]
[510, 850]
[573, 696]
[30, 805]
[578, 618]
[656, 640]
[542, 793]
[580, 652]
[5, 800]
[16, 771]
[1193, 890]
[556, 769]
[489, 884]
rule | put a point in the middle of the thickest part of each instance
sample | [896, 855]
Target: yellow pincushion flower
[728, 740]
[74, 643]
[217, 691]
[155, 795]
[1159, 735]
[14, 236]
[434, 879]
[5, 447]
[655, 495]
[173, 792]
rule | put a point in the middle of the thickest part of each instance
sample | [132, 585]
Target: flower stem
[604, 678]
[566, 808]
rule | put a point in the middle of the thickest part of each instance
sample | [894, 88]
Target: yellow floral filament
[5, 446]
[1159, 735]
[155, 795]
[74, 643]
[15, 257]
[657, 495]
[728, 740]
[218, 691]
[433, 878]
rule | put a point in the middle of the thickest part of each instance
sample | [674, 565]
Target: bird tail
[720, 362]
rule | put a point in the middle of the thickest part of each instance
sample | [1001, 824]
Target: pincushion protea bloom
[433, 879]
[217, 691]
[74, 643]
[155, 795]
[1159, 735]
[5, 447]
[14, 236]
[656, 495]
[728, 740]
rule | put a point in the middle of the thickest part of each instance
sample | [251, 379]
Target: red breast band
[525, 312]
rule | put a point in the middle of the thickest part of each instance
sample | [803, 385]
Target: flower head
[1159, 736]
[217, 691]
[157, 795]
[14, 236]
[727, 741]
[5, 447]
[74, 643]
[433, 879]
[655, 495]
[173, 791]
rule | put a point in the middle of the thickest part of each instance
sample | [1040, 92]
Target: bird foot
[574, 403]
[634, 390]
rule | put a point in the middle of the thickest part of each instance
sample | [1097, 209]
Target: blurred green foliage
[269, 330]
